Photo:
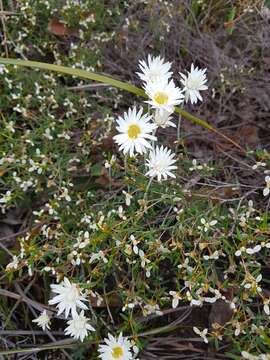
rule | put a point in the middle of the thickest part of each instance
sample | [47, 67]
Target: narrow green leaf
[75, 72]
[231, 18]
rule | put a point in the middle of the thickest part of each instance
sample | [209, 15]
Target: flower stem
[147, 189]
[126, 168]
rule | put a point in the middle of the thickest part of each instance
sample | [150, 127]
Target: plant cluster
[119, 242]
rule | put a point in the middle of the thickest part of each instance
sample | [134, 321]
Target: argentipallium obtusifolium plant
[103, 244]
[136, 135]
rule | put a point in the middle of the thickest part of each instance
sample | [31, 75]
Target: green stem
[147, 188]
[126, 169]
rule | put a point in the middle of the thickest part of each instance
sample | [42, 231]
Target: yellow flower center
[117, 352]
[133, 131]
[161, 98]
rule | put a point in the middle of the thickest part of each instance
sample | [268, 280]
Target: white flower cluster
[249, 356]
[69, 298]
[137, 130]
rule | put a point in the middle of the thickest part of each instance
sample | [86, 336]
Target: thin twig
[4, 27]
[23, 298]
[9, 13]
[18, 302]
[28, 332]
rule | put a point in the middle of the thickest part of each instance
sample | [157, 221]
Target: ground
[167, 261]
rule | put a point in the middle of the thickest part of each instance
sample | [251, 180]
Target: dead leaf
[247, 136]
[60, 29]
[104, 180]
[3, 171]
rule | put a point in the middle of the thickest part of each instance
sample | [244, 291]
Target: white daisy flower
[163, 119]
[154, 69]
[78, 327]
[116, 349]
[43, 320]
[163, 95]
[160, 163]
[193, 83]
[135, 129]
[70, 297]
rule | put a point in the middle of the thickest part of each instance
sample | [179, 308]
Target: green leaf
[96, 169]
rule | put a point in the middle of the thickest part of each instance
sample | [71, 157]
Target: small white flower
[116, 349]
[238, 253]
[193, 83]
[207, 225]
[238, 329]
[151, 308]
[6, 198]
[70, 297]
[43, 320]
[98, 256]
[249, 356]
[78, 327]
[3, 69]
[160, 163]
[176, 297]
[202, 334]
[266, 190]
[195, 166]
[13, 264]
[128, 197]
[154, 69]
[109, 163]
[210, 300]
[250, 209]
[258, 278]
[196, 302]
[266, 306]
[163, 119]
[258, 163]
[144, 260]
[163, 95]
[214, 256]
[254, 250]
[135, 129]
